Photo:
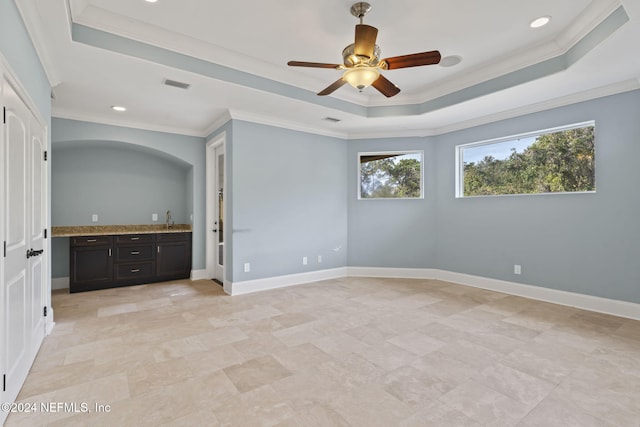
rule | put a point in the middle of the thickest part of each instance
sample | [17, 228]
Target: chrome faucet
[169, 220]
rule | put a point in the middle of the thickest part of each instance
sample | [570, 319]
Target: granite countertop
[106, 230]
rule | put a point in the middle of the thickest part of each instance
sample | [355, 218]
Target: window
[558, 160]
[390, 175]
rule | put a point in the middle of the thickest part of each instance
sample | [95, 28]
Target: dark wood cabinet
[91, 263]
[173, 258]
[100, 262]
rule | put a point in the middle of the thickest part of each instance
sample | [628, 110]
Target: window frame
[459, 158]
[394, 152]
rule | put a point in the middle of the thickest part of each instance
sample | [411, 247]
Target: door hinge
[45, 233]
[4, 382]
[45, 156]
[5, 248]
[45, 311]
[4, 115]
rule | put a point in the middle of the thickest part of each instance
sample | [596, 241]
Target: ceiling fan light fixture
[361, 77]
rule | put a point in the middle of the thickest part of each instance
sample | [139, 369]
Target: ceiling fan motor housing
[353, 60]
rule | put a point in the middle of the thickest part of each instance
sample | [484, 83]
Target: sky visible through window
[499, 151]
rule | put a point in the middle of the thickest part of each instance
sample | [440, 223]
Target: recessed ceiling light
[450, 61]
[540, 22]
[118, 108]
[151, 1]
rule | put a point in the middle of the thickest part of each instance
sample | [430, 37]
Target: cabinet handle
[158, 249]
[135, 270]
[109, 251]
[135, 238]
[91, 240]
[135, 252]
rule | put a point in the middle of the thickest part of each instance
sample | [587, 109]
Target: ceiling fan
[361, 60]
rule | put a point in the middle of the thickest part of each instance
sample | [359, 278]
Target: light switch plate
[94, 218]
[154, 217]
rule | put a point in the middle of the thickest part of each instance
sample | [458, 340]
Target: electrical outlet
[94, 218]
[517, 269]
[304, 260]
[154, 217]
[247, 267]
[319, 259]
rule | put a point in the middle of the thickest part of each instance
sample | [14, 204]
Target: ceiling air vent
[174, 83]
[332, 119]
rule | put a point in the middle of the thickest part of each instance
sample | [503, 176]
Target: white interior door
[219, 219]
[22, 223]
[215, 194]
[37, 215]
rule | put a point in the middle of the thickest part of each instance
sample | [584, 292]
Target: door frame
[218, 141]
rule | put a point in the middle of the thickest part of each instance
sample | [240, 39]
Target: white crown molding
[103, 20]
[513, 61]
[94, 118]
[285, 124]
[32, 21]
[217, 123]
[599, 92]
[588, 20]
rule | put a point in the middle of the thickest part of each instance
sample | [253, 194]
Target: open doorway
[215, 197]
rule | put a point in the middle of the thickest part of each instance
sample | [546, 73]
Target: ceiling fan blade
[312, 64]
[414, 60]
[385, 87]
[333, 87]
[365, 40]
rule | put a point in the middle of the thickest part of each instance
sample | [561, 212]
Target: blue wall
[587, 243]
[18, 51]
[392, 233]
[289, 201]
[19, 55]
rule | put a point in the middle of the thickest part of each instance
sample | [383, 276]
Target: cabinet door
[173, 260]
[91, 268]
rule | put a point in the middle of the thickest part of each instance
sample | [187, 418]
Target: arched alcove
[122, 183]
[170, 152]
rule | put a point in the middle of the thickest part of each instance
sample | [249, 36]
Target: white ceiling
[258, 38]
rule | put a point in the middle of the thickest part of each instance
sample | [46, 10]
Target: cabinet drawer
[91, 241]
[135, 253]
[135, 270]
[173, 237]
[135, 238]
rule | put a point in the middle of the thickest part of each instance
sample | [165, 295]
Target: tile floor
[348, 352]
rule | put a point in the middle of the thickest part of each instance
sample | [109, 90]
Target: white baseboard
[199, 275]
[392, 273]
[59, 283]
[586, 302]
[248, 286]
